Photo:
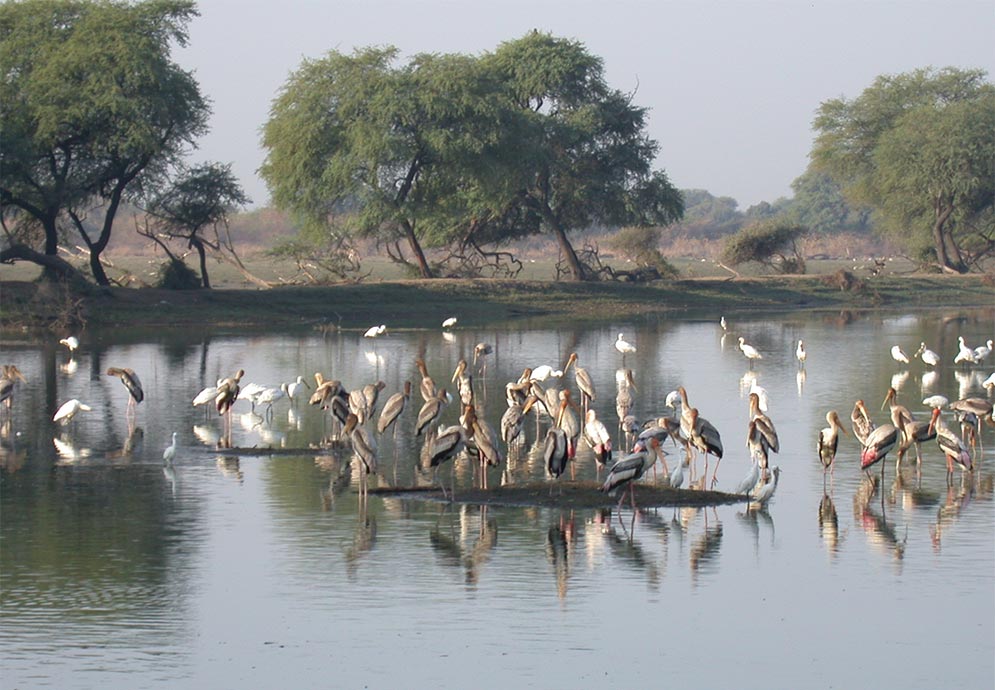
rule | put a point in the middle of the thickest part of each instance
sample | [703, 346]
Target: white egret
[624, 347]
[69, 409]
[72, 343]
[450, 322]
[800, 353]
[170, 452]
[764, 493]
[375, 331]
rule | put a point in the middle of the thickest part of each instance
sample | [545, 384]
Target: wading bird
[624, 473]
[879, 442]
[480, 352]
[928, 356]
[829, 440]
[130, 380]
[750, 352]
[954, 449]
[800, 353]
[764, 493]
[365, 448]
[170, 452]
[9, 376]
[597, 437]
[71, 343]
[393, 408]
[583, 379]
[68, 411]
[624, 347]
[375, 331]
[899, 355]
[448, 443]
[295, 389]
[450, 322]
[555, 454]
[861, 422]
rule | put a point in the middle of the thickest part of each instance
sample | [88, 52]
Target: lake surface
[259, 571]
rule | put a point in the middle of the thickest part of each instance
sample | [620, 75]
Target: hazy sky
[731, 87]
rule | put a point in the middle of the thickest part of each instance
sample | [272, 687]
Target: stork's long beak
[888, 398]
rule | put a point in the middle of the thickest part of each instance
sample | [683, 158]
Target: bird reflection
[879, 531]
[631, 552]
[956, 500]
[230, 466]
[67, 451]
[453, 549]
[800, 378]
[11, 457]
[898, 380]
[136, 435]
[829, 525]
[928, 382]
[705, 546]
[560, 539]
[69, 368]
[363, 541]
[207, 435]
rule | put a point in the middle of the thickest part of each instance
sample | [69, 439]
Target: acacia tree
[587, 157]
[195, 208]
[91, 109]
[386, 141]
[917, 148]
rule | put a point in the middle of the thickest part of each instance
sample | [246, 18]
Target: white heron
[375, 331]
[69, 409]
[677, 475]
[748, 483]
[543, 372]
[72, 343]
[450, 322]
[800, 353]
[764, 493]
[170, 452]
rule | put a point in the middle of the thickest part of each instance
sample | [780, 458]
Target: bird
[624, 347]
[763, 426]
[965, 355]
[750, 352]
[448, 443]
[513, 420]
[480, 351]
[170, 452]
[375, 331]
[295, 388]
[431, 411]
[722, 323]
[427, 384]
[861, 422]
[463, 381]
[829, 440]
[270, 396]
[677, 475]
[800, 353]
[72, 343]
[705, 437]
[624, 473]
[764, 493]
[68, 410]
[365, 448]
[393, 408]
[481, 439]
[899, 355]
[8, 381]
[555, 454]
[914, 433]
[936, 401]
[748, 482]
[583, 380]
[598, 438]
[227, 394]
[130, 380]
[543, 372]
[450, 322]
[763, 397]
[877, 445]
[928, 356]
[954, 449]
[989, 382]
[971, 411]
[982, 351]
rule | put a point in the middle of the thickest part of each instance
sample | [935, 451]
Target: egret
[69, 409]
[72, 343]
[130, 380]
[749, 482]
[544, 371]
[764, 493]
[450, 322]
[750, 352]
[800, 353]
[624, 347]
[375, 331]
[722, 324]
[630, 469]
[170, 452]
[899, 355]
[677, 476]
[829, 440]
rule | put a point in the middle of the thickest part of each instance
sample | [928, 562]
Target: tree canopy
[457, 148]
[92, 109]
[918, 150]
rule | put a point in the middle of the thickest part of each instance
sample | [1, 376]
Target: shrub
[641, 246]
[176, 275]
[770, 243]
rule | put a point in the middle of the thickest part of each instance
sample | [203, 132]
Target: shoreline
[408, 304]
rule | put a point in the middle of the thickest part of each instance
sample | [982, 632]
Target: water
[267, 571]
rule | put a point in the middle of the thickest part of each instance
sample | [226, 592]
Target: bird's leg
[715, 472]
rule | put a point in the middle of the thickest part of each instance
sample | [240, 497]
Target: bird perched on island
[624, 473]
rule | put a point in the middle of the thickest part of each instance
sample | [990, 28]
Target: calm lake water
[262, 571]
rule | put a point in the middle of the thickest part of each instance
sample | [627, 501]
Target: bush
[770, 243]
[641, 246]
[176, 275]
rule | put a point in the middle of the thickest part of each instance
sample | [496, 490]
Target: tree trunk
[54, 265]
[413, 244]
[576, 268]
[947, 252]
[199, 246]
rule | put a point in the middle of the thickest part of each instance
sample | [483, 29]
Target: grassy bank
[415, 304]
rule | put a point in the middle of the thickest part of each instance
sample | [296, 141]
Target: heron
[749, 482]
[130, 380]
[800, 353]
[450, 322]
[750, 352]
[764, 493]
[624, 347]
[170, 452]
[829, 440]
[677, 476]
[375, 331]
[624, 473]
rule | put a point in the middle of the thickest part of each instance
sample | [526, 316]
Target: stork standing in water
[365, 448]
[130, 380]
[228, 390]
[971, 411]
[449, 443]
[480, 352]
[877, 445]
[598, 438]
[9, 376]
[861, 422]
[624, 473]
[954, 449]
[583, 379]
[829, 440]
[393, 408]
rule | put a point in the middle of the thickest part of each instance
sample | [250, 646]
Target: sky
[731, 87]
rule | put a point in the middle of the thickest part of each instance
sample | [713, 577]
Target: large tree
[588, 158]
[917, 149]
[92, 108]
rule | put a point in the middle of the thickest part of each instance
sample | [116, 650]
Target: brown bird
[130, 380]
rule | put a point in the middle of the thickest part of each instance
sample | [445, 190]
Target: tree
[917, 148]
[91, 109]
[819, 205]
[770, 243]
[390, 142]
[586, 157]
[200, 200]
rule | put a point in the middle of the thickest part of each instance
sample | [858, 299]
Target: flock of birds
[358, 421]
